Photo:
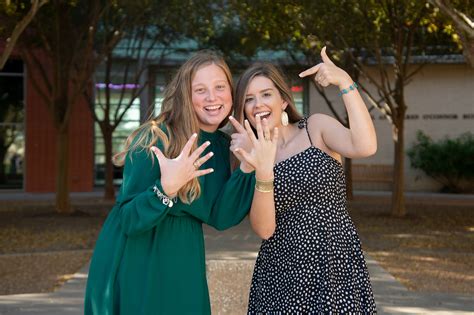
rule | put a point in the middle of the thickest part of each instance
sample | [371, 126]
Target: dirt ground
[431, 250]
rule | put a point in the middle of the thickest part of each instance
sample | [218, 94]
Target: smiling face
[263, 99]
[211, 96]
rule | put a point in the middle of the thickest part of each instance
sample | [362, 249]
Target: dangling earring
[284, 118]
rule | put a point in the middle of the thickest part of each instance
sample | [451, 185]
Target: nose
[211, 96]
[259, 102]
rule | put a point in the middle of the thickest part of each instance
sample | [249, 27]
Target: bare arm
[262, 158]
[358, 141]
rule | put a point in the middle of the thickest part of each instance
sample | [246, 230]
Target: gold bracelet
[264, 186]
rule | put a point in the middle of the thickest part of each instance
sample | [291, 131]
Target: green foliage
[448, 161]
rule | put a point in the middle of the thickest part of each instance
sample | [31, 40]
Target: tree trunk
[109, 192]
[348, 173]
[398, 198]
[63, 202]
[468, 49]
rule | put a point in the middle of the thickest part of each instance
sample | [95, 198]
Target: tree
[128, 74]
[69, 35]
[12, 10]
[308, 27]
[394, 27]
[463, 23]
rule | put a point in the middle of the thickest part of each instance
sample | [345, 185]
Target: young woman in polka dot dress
[310, 260]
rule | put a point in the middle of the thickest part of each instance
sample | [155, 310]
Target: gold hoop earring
[284, 118]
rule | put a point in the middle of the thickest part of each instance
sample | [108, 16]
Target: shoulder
[319, 122]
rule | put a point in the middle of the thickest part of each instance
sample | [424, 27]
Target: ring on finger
[196, 164]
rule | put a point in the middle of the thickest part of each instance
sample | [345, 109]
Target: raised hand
[262, 154]
[326, 73]
[240, 139]
[175, 173]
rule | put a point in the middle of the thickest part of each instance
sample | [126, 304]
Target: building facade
[440, 102]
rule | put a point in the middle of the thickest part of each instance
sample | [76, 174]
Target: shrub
[448, 161]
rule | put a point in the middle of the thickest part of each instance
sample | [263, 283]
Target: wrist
[345, 83]
[348, 88]
[264, 175]
[245, 167]
[169, 191]
[264, 186]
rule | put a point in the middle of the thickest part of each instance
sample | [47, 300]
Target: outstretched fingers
[159, 155]
[197, 153]
[197, 163]
[259, 128]
[275, 135]
[203, 172]
[238, 127]
[189, 144]
[310, 71]
[250, 132]
[266, 129]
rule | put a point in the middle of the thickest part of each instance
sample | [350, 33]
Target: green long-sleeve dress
[149, 258]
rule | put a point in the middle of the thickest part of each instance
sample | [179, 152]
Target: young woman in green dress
[149, 257]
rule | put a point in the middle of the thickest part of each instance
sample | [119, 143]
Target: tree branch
[18, 30]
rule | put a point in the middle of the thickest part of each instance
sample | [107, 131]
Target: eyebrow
[217, 81]
[269, 89]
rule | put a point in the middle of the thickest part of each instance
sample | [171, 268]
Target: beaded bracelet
[351, 87]
[167, 201]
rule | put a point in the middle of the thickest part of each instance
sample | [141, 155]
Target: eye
[220, 87]
[248, 100]
[267, 94]
[199, 90]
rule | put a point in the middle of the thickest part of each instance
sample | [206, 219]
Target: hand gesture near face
[240, 139]
[263, 150]
[175, 173]
[326, 73]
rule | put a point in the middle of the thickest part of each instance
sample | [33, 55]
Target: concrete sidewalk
[230, 260]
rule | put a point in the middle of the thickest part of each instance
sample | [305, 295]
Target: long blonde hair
[177, 117]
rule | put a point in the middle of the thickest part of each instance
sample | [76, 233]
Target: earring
[284, 118]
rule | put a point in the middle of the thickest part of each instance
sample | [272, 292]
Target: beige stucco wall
[436, 89]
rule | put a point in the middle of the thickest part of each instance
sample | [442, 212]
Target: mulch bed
[39, 250]
[430, 250]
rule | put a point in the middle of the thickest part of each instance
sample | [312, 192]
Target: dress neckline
[312, 147]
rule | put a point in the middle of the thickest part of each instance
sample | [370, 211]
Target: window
[119, 98]
[12, 113]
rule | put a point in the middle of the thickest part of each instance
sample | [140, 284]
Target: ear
[284, 105]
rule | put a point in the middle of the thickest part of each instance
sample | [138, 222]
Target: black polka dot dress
[313, 263]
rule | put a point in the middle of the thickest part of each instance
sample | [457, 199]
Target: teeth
[262, 114]
[213, 107]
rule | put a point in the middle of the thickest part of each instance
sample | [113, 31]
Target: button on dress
[149, 258]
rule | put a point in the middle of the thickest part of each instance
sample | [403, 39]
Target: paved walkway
[239, 246]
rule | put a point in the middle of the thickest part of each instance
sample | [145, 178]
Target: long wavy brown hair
[177, 117]
[269, 71]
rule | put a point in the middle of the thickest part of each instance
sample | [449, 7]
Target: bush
[448, 161]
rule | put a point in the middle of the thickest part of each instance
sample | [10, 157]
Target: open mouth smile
[262, 114]
[213, 108]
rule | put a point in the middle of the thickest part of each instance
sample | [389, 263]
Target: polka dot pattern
[313, 263]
